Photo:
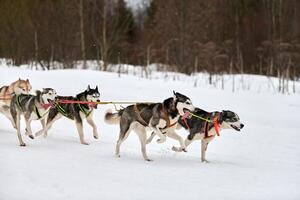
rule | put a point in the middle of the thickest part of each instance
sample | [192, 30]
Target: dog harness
[87, 112]
[167, 119]
[35, 109]
[19, 101]
[62, 111]
[141, 120]
[206, 125]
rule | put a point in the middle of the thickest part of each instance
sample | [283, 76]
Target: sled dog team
[162, 119]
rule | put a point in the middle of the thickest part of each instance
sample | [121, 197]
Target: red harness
[214, 121]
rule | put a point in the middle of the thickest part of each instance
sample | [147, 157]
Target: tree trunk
[36, 47]
[82, 38]
[104, 46]
[148, 61]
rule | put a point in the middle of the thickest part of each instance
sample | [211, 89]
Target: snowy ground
[261, 162]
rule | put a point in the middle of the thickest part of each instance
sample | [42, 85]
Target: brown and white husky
[6, 92]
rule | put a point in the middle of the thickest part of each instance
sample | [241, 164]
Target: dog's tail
[112, 118]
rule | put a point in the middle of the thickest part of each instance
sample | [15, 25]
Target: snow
[261, 162]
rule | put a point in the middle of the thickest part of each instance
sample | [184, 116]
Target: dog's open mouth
[235, 128]
[94, 104]
[186, 110]
[50, 101]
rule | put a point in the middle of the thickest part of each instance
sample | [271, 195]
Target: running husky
[75, 111]
[32, 107]
[6, 92]
[162, 118]
[206, 131]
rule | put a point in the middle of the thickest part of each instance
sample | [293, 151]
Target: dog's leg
[149, 140]
[79, 127]
[141, 132]
[18, 119]
[172, 134]
[43, 123]
[6, 111]
[124, 133]
[91, 122]
[28, 128]
[204, 144]
[156, 123]
[162, 137]
[188, 141]
[50, 121]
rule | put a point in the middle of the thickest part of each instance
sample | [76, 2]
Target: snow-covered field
[261, 162]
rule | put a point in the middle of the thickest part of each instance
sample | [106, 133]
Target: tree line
[216, 36]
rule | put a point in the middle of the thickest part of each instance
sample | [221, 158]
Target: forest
[187, 36]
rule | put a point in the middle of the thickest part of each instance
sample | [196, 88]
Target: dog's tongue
[46, 105]
[186, 115]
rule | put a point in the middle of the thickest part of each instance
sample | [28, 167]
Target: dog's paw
[84, 143]
[22, 144]
[38, 133]
[161, 140]
[96, 137]
[31, 137]
[204, 161]
[176, 149]
[149, 160]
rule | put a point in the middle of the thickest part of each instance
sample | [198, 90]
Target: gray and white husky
[206, 131]
[32, 107]
[75, 111]
[161, 118]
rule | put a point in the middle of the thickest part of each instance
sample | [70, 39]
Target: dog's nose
[242, 125]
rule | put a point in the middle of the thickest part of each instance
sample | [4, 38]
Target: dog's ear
[174, 95]
[19, 78]
[27, 80]
[97, 88]
[89, 88]
[38, 92]
[221, 117]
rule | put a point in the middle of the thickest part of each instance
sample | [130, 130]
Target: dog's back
[18, 87]
[194, 123]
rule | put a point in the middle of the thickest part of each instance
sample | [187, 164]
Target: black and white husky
[161, 118]
[206, 131]
[74, 111]
[32, 108]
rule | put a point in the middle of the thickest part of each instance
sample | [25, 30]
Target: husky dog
[161, 118]
[6, 92]
[32, 107]
[75, 111]
[206, 131]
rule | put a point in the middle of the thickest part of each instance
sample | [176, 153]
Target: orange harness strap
[166, 117]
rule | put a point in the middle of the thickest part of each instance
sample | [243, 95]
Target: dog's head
[22, 87]
[231, 120]
[182, 103]
[92, 95]
[48, 95]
